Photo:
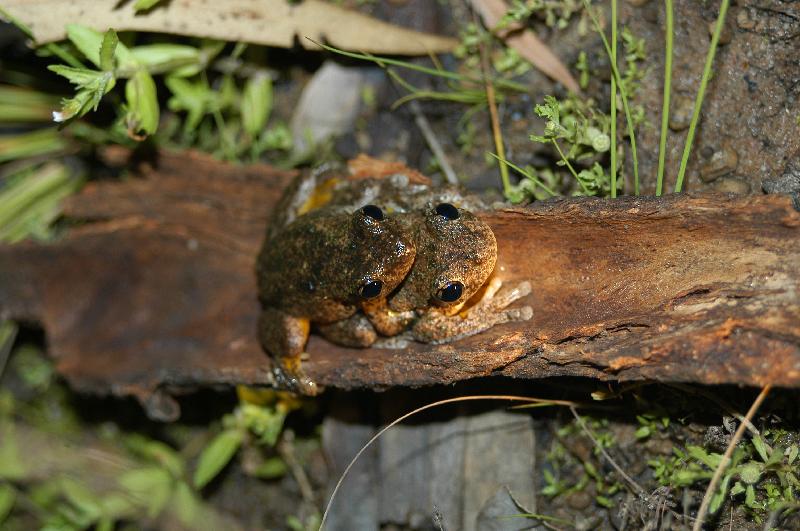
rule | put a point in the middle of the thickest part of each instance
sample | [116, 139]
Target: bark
[154, 290]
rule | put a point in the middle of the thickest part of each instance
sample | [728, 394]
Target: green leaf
[760, 447]
[144, 5]
[712, 461]
[256, 103]
[272, 468]
[143, 112]
[190, 97]
[185, 504]
[216, 455]
[152, 486]
[107, 49]
[160, 58]
[82, 77]
[750, 497]
[10, 461]
[604, 502]
[642, 433]
[89, 42]
[719, 496]
[791, 453]
[7, 496]
[82, 498]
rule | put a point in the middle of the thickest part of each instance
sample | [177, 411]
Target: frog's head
[382, 254]
[456, 253]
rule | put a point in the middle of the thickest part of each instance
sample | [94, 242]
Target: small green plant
[555, 13]
[650, 424]
[764, 478]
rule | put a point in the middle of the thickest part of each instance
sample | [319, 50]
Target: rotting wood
[155, 290]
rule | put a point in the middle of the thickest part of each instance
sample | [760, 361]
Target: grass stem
[623, 94]
[726, 458]
[613, 100]
[662, 143]
[698, 102]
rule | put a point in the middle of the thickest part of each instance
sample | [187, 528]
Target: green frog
[320, 264]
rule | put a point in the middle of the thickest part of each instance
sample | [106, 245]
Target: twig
[512, 398]
[433, 142]
[724, 406]
[726, 459]
[635, 486]
[286, 449]
[497, 135]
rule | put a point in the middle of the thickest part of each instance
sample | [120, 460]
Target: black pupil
[371, 289]
[447, 210]
[373, 212]
[451, 292]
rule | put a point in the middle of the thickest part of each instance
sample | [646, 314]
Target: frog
[448, 293]
[321, 263]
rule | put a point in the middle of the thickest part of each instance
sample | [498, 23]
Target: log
[153, 290]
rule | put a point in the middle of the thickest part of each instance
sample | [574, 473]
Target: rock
[721, 163]
[579, 500]
[681, 114]
[788, 183]
[726, 34]
[732, 185]
[744, 20]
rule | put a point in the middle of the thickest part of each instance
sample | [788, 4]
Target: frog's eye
[450, 292]
[447, 210]
[371, 211]
[370, 289]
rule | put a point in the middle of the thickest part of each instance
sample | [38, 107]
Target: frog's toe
[295, 380]
[521, 314]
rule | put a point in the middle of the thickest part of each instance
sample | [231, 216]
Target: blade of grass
[31, 144]
[622, 92]
[497, 134]
[613, 100]
[698, 102]
[446, 74]
[536, 181]
[569, 166]
[24, 194]
[662, 143]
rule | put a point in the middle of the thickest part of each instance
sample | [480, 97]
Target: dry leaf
[526, 44]
[270, 22]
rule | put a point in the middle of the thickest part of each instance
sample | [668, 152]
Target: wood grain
[153, 290]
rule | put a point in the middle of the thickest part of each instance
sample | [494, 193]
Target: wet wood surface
[152, 290]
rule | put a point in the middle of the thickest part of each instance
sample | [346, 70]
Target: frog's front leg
[285, 337]
[435, 326]
[386, 321]
[355, 331]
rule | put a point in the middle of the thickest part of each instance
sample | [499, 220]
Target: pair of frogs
[372, 257]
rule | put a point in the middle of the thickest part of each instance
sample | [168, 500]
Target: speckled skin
[463, 249]
[310, 269]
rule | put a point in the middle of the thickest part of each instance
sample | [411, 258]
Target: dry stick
[512, 398]
[639, 490]
[726, 458]
[286, 450]
[496, 134]
[433, 142]
[724, 406]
